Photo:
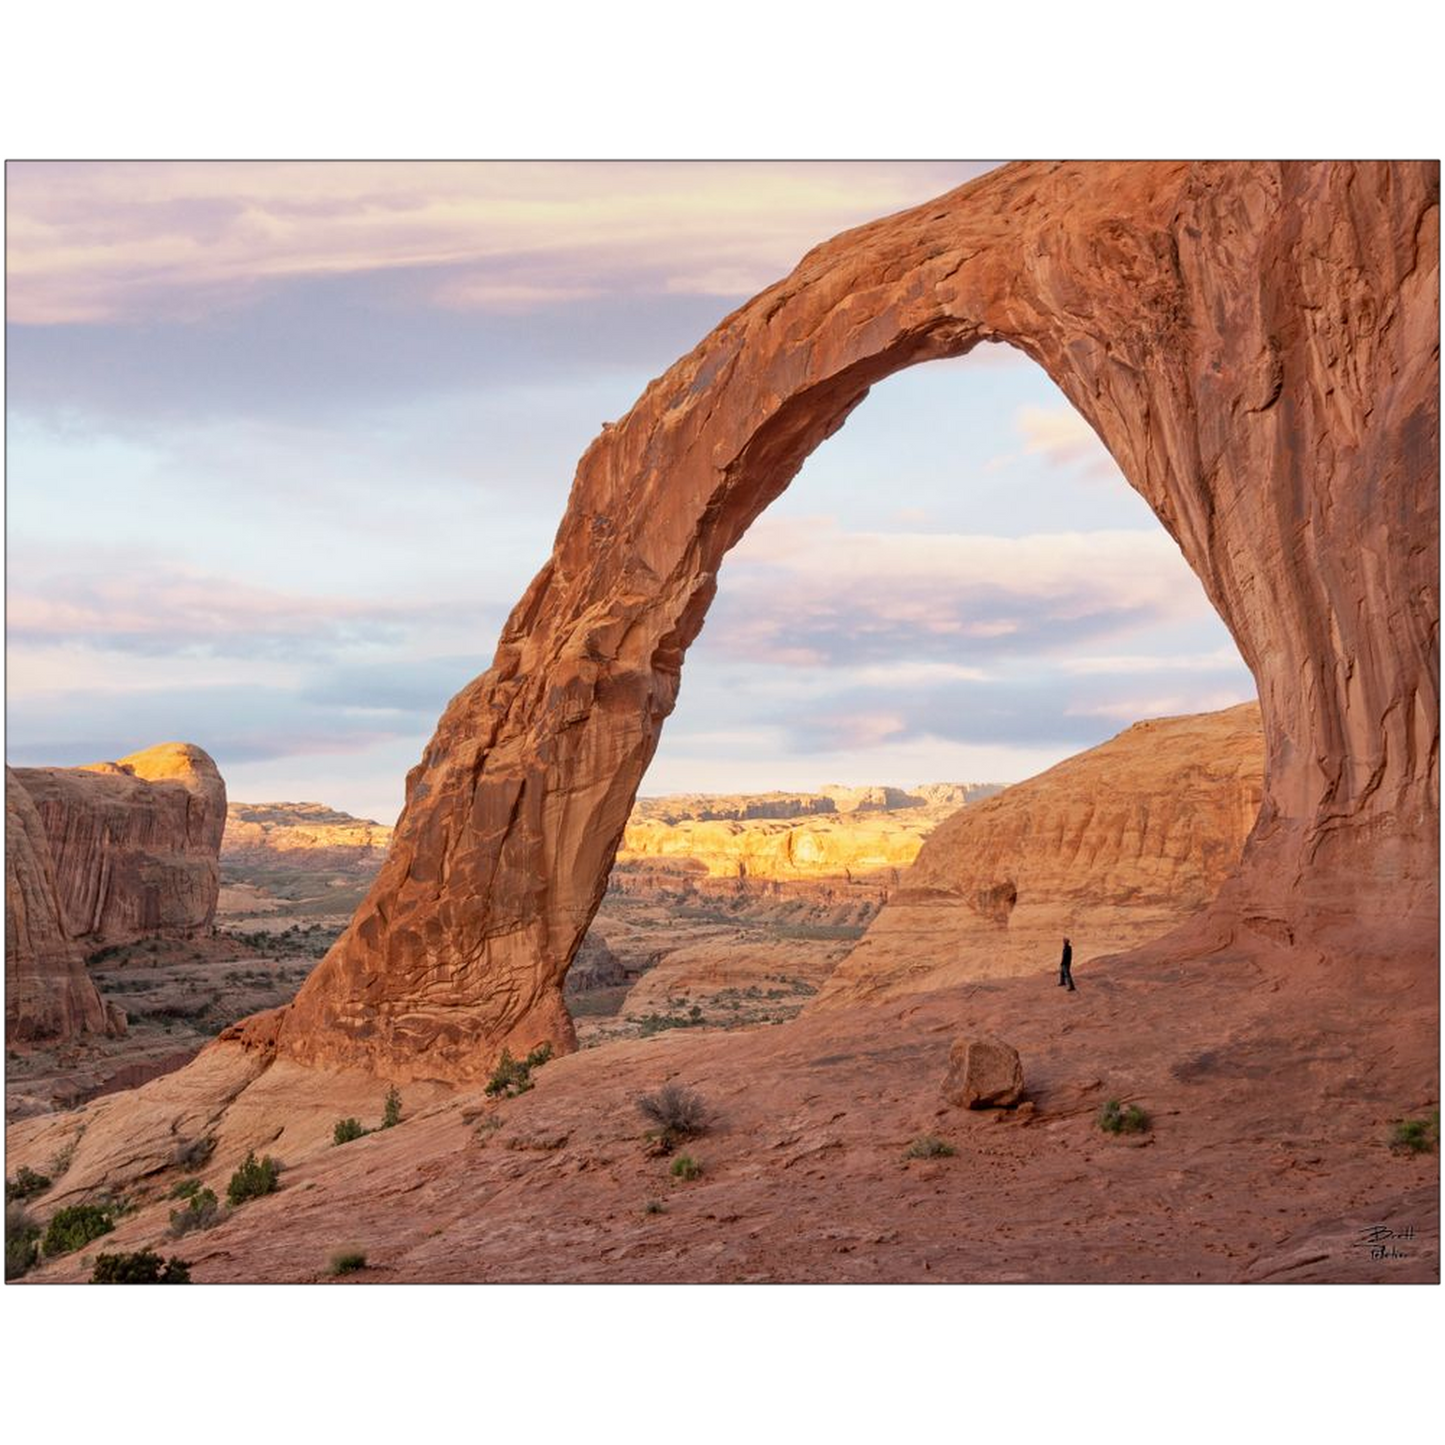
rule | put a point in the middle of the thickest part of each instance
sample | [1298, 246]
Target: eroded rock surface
[983, 1073]
[48, 994]
[1257, 346]
[1111, 848]
[135, 843]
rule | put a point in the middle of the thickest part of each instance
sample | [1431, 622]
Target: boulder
[983, 1073]
[135, 843]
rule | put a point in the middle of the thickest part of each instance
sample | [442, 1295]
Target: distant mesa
[135, 843]
[323, 835]
[1113, 847]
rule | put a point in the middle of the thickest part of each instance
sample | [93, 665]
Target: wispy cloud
[93, 242]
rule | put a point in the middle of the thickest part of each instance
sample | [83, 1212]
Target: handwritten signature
[1383, 1242]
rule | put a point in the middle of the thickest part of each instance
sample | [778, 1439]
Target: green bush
[929, 1146]
[74, 1226]
[202, 1211]
[1416, 1136]
[686, 1167]
[142, 1267]
[22, 1241]
[1114, 1118]
[254, 1178]
[511, 1077]
[26, 1184]
[391, 1110]
[346, 1130]
[186, 1189]
[347, 1261]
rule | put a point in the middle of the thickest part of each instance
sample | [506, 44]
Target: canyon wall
[135, 843]
[1113, 848]
[1256, 344]
[48, 994]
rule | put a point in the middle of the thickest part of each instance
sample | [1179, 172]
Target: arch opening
[957, 587]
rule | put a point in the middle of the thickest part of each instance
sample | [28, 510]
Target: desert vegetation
[512, 1076]
[254, 1178]
[677, 1113]
[25, 1185]
[202, 1210]
[143, 1266]
[686, 1168]
[929, 1146]
[22, 1241]
[346, 1261]
[1116, 1118]
[1416, 1136]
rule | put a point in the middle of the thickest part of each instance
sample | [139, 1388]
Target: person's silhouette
[1066, 975]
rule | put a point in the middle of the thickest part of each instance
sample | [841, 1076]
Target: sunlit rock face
[48, 994]
[1257, 346]
[1111, 848]
[135, 843]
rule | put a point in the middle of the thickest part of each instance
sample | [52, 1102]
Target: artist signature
[1383, 1242]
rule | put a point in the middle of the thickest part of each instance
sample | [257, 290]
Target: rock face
[1112, 848]
[332, 838]
[48, 994]
[983, 1074]
[135, 842]
[1257, 346]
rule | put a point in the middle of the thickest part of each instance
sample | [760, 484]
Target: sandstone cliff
[135, 842]
[48, 994]
[334, 838]
[1113, 848]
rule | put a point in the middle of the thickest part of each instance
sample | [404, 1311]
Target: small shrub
[26, 1184]
[654, 1206]
[186, 1189]
[1114, 1118]
[74, 1226]
[679, 1114]
[391, 1110]
[347, 1261]
[929, 1146]
[254, 1178]
[193, 1154]
[512, 1077]
[22, 1241]
[687, 1168]
[346, 1130]
[202, 1211]
[1416, 1136]
[142, 1267]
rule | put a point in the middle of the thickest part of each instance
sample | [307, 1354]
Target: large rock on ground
[1111, 848]
[135, 842]
[1256, 343]
[48, 994]
[983, 1073]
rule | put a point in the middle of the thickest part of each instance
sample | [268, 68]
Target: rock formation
[1256, 344]
[1113, 848]
[324, 835]
[135, 842]
[48, 994]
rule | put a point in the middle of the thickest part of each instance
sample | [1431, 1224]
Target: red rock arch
[1258, 347]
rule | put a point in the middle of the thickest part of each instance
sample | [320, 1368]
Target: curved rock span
[1113, 848]
[1257, 346]
[136, 842]
[48, 994]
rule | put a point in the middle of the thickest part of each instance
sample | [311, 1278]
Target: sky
[286, 441]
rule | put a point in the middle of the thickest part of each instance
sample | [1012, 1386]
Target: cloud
[166, 609]
[804, 590]
[99, 241]
[1062, 437]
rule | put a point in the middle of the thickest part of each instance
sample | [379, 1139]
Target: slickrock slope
[48, 994]
[135, 842]
[1269, 1157]
[1257, 346]
[1113, 848]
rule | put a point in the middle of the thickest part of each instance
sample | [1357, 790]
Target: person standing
[1066, 973]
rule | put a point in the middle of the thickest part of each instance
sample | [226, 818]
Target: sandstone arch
[1256, 344]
